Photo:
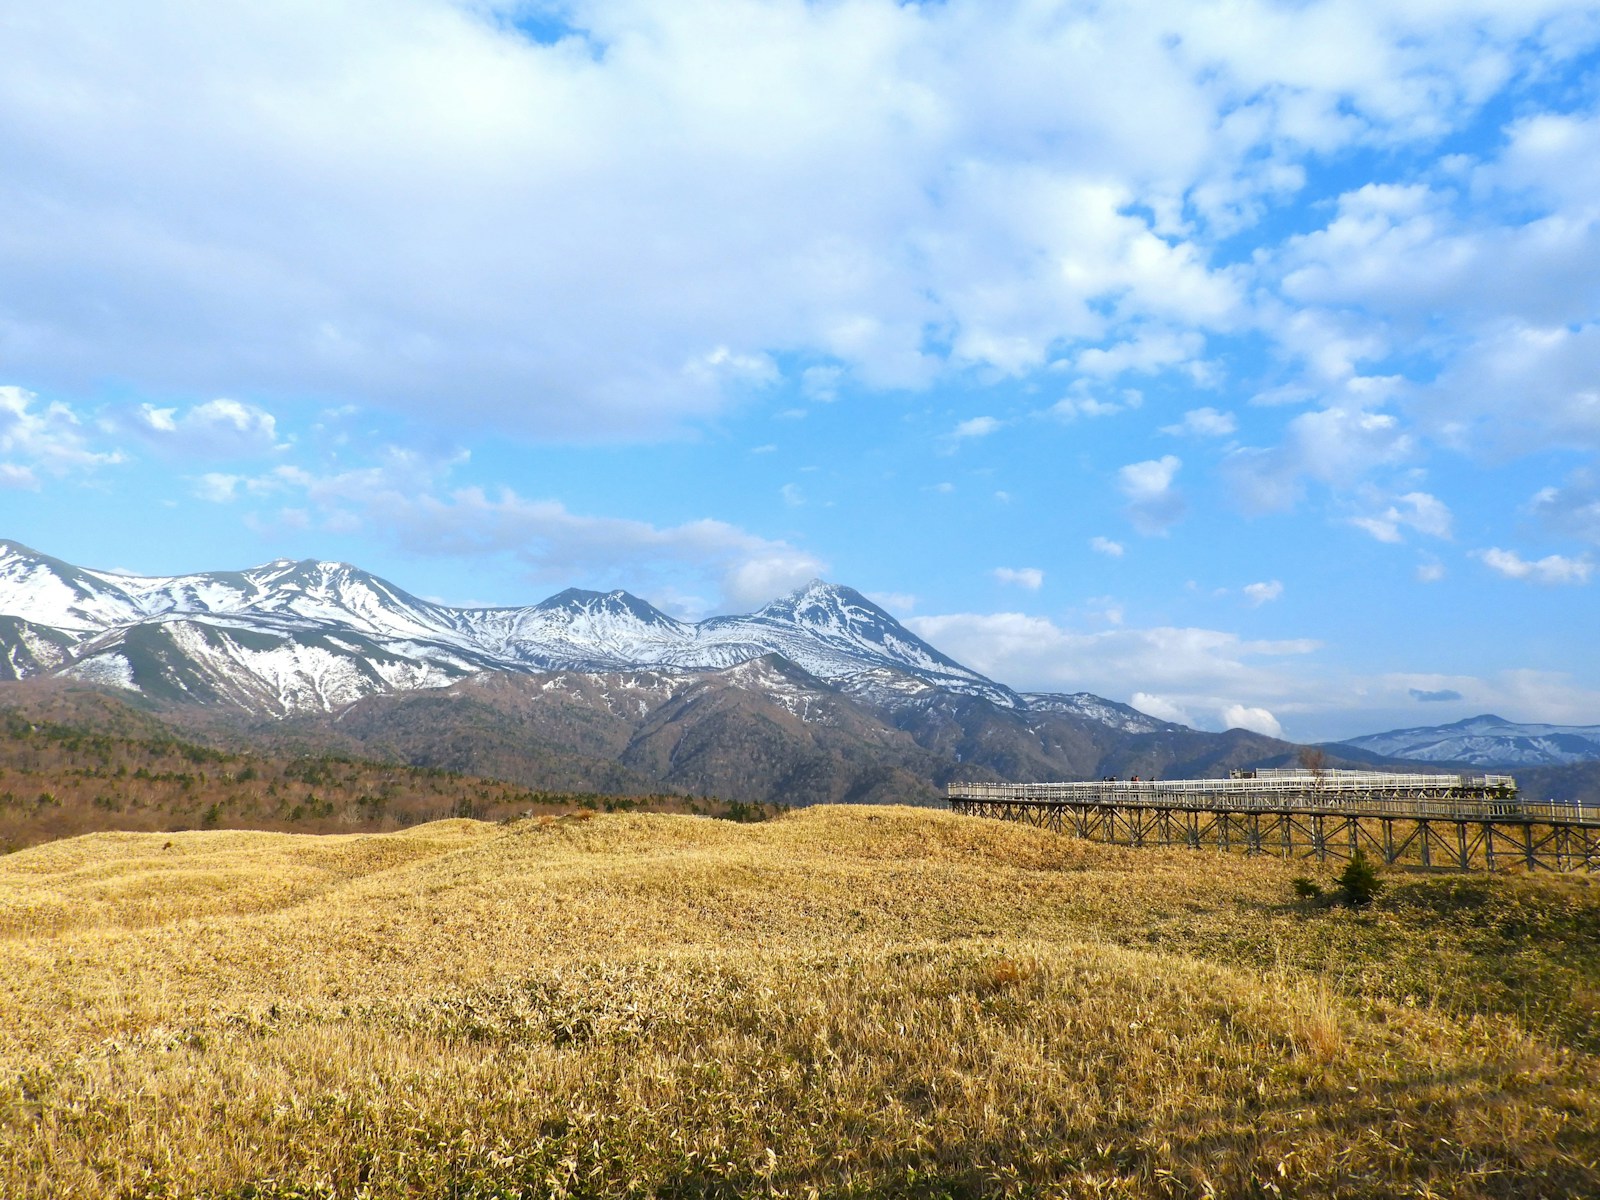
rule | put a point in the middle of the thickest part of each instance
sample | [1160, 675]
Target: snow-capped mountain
[1488, 741]
[294, 636]
[1096, 708]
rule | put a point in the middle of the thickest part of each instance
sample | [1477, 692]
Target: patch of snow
[107, 670]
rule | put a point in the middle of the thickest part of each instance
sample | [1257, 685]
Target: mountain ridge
[1487, 740]
[79, 622]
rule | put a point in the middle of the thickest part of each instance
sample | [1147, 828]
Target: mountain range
[820, 695]
[1488, 741]
[289, 637]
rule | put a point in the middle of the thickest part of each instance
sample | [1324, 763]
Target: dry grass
[860, 1002]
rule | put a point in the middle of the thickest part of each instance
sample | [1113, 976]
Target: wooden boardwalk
[1464, 822]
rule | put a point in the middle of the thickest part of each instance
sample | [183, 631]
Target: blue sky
[1239, 360]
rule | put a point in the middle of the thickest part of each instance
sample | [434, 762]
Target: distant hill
[1488, 741]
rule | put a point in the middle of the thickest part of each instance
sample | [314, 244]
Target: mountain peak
[616, 603]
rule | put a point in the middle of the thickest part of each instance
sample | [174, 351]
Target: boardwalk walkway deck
[1462, 821]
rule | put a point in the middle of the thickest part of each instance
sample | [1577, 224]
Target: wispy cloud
[1104, 545]
[44, 439]
[1552, 569]
[1030, 578]
[1203, 422]
[408, 498]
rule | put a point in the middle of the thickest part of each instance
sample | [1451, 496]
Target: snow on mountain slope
[1096, 708]
[269, 637]
[835, 633]
[258, 667]
[1488, 741]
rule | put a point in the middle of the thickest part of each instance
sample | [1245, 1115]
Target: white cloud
[1430, 570]
[1415, 510]
[1202, 670]
[1024, 577]
[1552, 569]
[1083, 399]
[1203, 422]
[1334, 446]
[792, 495]
[976, 427]
[1521, 387]
[48, 438]
[1104, 545]
[1212, 678]
[1149, 352]
[216, 429]
[1161, 708]
[1153, 503]
[408, 497]
[1257, 720]
[560, 237]
[1262, 593]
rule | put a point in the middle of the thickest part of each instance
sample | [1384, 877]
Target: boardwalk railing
[1463, 821]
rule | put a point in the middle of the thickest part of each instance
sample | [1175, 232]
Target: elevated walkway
[1464, 821]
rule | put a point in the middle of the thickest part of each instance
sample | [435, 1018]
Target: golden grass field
[840, 1002]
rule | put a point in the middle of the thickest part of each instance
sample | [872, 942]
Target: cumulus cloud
[1257, 720]
[1083, 400]
[1333, 446]
[1213, 679]
[1153, 503]
[1262, 593]
[1493, 278]
[1024, 577]
[1161, 708]
[1550, 370]
[1147, 353]
[418, 199]
[1552, 569]
[1201, 670]
[1417, 511]
[43, 438]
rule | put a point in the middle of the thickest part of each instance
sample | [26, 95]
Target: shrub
[1306, 889]
[1358, 882]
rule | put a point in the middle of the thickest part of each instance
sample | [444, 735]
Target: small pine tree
[1358, 882]
[1306, 889]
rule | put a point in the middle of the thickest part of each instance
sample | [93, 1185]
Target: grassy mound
[843, 1001]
